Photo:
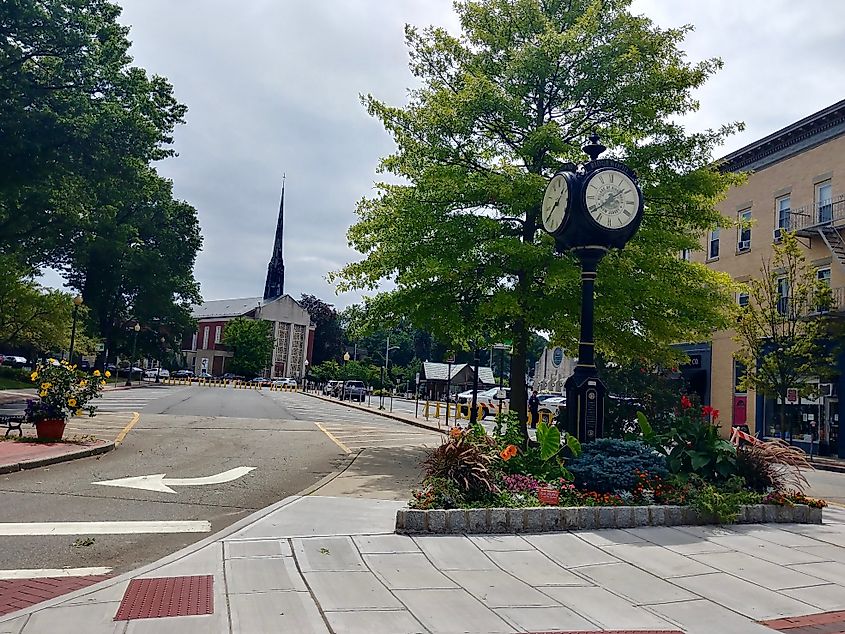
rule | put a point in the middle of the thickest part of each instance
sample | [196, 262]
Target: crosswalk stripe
[104, 528]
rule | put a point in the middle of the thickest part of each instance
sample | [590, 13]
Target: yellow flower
[33, 376]
[64, 362]
[108, 374]
[45, 386]
[83, 383]
[71, 402]
[77, 412]
[97, 373]
[42, 393]
[102, 384]
[51, 361]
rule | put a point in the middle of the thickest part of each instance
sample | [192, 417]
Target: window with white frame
[205, 337]
[742, 300]
[783, 205]
[194, 341]
[824, 202]
[713, 244]
[744, 233]
[823, 276]
[783, 295]
[686, 254]
[218, 330]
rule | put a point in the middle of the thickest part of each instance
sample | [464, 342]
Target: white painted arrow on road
[158, 481]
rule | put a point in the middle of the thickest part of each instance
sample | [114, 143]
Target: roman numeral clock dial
[611, 198]
[555, 204]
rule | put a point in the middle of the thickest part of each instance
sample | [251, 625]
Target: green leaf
[699, 460]
[548, 436]
[573, 444]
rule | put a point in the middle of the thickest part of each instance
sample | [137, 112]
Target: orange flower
[455, 432]
[508, 452]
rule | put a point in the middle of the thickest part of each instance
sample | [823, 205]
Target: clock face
[612, 199]
[555, 203]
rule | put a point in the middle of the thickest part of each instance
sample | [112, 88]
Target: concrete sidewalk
[330, 564]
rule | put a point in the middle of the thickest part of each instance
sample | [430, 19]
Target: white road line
[38, 573]
[104, 528]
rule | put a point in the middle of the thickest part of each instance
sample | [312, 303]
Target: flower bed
[477, 482]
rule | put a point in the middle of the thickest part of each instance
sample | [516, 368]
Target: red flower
[685, 402]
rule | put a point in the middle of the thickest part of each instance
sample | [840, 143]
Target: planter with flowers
[62, 392]
[480, 482]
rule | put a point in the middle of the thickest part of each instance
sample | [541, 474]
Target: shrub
[721, 502]
[436, 493]
[773, 465]
[464, 459]
[608, 465]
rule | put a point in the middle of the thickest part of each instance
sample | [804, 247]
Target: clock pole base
[585, 404]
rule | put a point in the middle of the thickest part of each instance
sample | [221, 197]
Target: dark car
[183, 374]
[354, 391]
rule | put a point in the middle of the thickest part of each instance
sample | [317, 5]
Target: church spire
[274, 286]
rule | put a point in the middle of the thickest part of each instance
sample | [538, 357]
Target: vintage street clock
[590, 210]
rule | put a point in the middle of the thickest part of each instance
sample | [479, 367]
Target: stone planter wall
[554, 518]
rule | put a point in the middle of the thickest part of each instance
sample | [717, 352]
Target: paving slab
[208, 560]
[407, 571]
[276, 612]
[758, 571]
[657, 560]
[545, 619]
[676, 540]
[825, 552]
[704, 617]
[350, 591]
[368, 544]
[262, 575]
[497, 589]
[832, 571]
[109, 594]
[327, 553]
[450, 552]
[744, 597]
[195, 624]
[13, 626]
[535, 569]
[775, 535]
[452, 612]
[237, 549]
[92, 619]
[767, 551]
[500, 542]
[570, 551]
[609, 537]
[634, 584]
[829, 597]
[374, 622]
[606, 610]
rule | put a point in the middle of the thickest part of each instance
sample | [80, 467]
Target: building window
[742, 300]
[686, 254]
[823, 275]
[783, 295]
[824, 202]
[713, 247]
[194, 341]
[744, 242]
[739, 373]
[217, 332]
[783, 206]
[205, 338]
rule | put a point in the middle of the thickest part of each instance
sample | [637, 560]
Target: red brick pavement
[824, 623]
[17, 594]
[16, 455]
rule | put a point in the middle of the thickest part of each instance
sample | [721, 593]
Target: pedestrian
[534, 408]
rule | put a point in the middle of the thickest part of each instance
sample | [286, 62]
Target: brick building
[796, 182]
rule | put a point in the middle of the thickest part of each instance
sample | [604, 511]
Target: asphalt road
[183, 432]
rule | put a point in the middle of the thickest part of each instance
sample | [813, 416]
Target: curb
[360, 408]
[828, 466]
[66, 457]
[555, 519]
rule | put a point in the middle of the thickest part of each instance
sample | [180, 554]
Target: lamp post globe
[137, 329]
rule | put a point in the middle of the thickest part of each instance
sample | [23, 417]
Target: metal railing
[822, 213]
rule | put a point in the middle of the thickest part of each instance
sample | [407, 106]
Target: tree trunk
[783, 417]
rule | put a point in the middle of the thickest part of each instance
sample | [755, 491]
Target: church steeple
[274, 287]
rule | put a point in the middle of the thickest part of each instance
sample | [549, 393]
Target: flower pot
[50, 428]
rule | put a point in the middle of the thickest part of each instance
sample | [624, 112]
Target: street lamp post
[343, 383]
[387, 350]
[137, 329]
[77, 302]
[158, 372]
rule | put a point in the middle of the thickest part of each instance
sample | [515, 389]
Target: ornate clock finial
[594, 148]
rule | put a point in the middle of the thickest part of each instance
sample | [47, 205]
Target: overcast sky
[272, 87]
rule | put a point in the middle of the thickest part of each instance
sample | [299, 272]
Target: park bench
[12, 423]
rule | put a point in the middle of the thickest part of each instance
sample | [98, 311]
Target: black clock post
[590, 210]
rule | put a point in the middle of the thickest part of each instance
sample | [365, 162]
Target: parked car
[354, 391]
[157, 372]
[286, 382]
[14, 361]
[183, 374]
[231, 376]
[260, 380]
[331, 388]
[488, 399]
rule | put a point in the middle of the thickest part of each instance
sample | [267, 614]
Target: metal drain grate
[167, 596]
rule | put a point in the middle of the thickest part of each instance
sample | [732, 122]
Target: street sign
[158, 481]
[205, 364]
[792, 395]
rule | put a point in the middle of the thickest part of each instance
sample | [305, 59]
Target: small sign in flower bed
[477, 482]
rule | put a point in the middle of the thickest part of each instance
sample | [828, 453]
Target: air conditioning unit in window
[826, 389]
[777, 234]
[743, 245]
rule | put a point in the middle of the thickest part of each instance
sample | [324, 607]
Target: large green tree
[500, 106]
[328, 337]
[252, 344]
[782, 332]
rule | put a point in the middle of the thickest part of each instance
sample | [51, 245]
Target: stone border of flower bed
[553, 518]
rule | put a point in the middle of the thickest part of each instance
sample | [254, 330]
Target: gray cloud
[273, 87]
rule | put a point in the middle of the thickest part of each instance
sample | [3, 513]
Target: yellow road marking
[135, 418]
[332, 437]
